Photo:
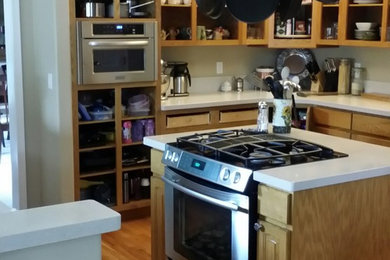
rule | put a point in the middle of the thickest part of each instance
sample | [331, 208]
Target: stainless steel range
[210, 196]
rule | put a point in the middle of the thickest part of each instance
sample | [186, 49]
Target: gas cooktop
[229, 157]
[254, 150]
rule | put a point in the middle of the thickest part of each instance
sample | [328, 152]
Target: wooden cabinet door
[157, 217]
[273, 242]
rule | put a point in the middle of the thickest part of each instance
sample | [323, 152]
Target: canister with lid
[344, 76]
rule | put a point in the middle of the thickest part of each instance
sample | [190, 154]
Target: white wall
[45, 50]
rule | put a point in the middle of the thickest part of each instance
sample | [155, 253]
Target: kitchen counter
[364, 161]
[346, 102]
[33, 231]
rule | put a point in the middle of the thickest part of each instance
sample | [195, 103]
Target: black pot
[252, 11]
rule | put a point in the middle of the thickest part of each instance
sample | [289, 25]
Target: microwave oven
[111, 52]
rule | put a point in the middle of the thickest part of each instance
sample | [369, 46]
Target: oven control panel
[224, 174]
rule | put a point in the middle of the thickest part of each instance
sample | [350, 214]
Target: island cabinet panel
[343, 221]
[274, 204]
[238, 115]
[156, 164]
[273, 242]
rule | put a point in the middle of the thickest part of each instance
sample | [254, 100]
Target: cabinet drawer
[237, 116]
[156, 165]
[274, 203]
[330, 117]
[188, 120]
[273, 242]
[371, 139]
[373, 125]
[331, 131]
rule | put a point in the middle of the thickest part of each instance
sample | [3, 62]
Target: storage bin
[101, 115]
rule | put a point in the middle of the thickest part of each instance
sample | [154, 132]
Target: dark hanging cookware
[288, 8]
[329, 1]
[211, 8]
[252, 11]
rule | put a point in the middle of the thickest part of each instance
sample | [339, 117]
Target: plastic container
[101, 115]
[149, 127]
[139, 105]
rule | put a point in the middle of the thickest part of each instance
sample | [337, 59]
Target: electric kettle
[180, 78]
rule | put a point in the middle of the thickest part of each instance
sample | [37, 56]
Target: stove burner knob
[175, 157]
[225, 174]
[167, 155]
[237, 177]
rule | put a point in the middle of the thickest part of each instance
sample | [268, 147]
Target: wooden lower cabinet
[352, 125]
[273, 242]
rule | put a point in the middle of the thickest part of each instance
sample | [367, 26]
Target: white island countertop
[346, 102]
[364, 161]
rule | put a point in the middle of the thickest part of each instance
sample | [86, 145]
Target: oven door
[203, 222]
[116, 60]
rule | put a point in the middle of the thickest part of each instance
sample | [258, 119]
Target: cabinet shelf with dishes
[185, 25]
[299, 32]
[100, 156]
[328, 24]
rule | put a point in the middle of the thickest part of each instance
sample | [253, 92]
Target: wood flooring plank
[131, 242]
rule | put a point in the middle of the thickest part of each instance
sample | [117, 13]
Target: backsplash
[241, 60]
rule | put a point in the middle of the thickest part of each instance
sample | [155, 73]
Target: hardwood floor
[131, 242]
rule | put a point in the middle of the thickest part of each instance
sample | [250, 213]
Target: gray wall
[45, 50]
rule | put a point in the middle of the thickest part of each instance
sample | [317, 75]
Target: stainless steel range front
[210, 197]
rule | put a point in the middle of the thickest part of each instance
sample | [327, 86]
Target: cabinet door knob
[257, 226]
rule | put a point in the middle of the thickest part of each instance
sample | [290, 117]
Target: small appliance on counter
[180, 78]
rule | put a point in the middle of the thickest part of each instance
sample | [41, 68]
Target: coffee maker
[180, 78]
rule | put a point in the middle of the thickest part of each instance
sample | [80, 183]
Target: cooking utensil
[295, 60]
[251, 11]
[289, 8]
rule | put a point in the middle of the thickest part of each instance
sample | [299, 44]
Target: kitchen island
[331, 209]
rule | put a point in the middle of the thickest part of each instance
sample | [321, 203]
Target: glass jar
[358, 75]
[344, 76]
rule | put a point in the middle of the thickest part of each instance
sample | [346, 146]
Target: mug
[184, 33]
[187, 2]
[200, 32]
[173, 32]
[282, 116]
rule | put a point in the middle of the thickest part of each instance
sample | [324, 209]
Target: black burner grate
[254, 150]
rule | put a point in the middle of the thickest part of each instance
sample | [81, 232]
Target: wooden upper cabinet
[303, 28]
[346, 13]
[328, 23]
[185, 25]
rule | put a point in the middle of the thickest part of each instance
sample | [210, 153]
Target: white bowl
[365, 26]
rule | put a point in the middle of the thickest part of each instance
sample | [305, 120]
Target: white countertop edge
[44, 225]
[154, 144]
[288, 186]
[345, 102]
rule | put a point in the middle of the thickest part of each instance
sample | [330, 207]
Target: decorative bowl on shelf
[365, 26]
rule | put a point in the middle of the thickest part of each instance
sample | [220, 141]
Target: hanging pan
[211, 8]
[252, 11]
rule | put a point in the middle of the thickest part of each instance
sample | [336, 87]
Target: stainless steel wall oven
[210, 196]
[109, 52]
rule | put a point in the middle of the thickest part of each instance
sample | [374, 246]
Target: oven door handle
[118, 43]
[225, 204]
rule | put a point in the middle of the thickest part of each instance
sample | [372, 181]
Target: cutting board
[377, 96]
